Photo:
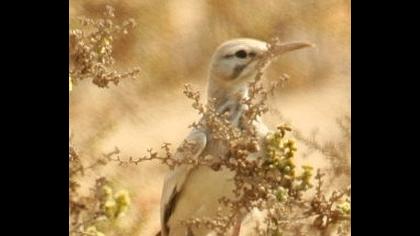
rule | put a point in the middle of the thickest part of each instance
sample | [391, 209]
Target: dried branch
[91, 50]
[265, 174]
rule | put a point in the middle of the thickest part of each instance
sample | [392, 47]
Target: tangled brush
[91, 50]
[265, 174]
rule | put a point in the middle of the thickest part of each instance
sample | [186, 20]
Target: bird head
[236, 62]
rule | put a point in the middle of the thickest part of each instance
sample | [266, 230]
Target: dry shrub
[266, 176]
[91, 58]
[91, 50]
[92, 213]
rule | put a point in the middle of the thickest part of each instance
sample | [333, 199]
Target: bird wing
[174, 181]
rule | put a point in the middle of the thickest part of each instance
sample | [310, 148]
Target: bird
[193, 192]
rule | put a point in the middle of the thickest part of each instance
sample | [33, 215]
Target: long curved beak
[278, 49]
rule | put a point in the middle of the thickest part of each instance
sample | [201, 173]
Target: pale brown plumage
[194, 192]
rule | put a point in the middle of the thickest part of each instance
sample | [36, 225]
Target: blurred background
[172, 44]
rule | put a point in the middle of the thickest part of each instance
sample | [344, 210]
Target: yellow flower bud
[107, 191]
[93, 231]
[110, 208]
[122, 197]
[344, 208]
[282, 194]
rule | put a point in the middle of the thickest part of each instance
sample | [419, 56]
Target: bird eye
[241, 54]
